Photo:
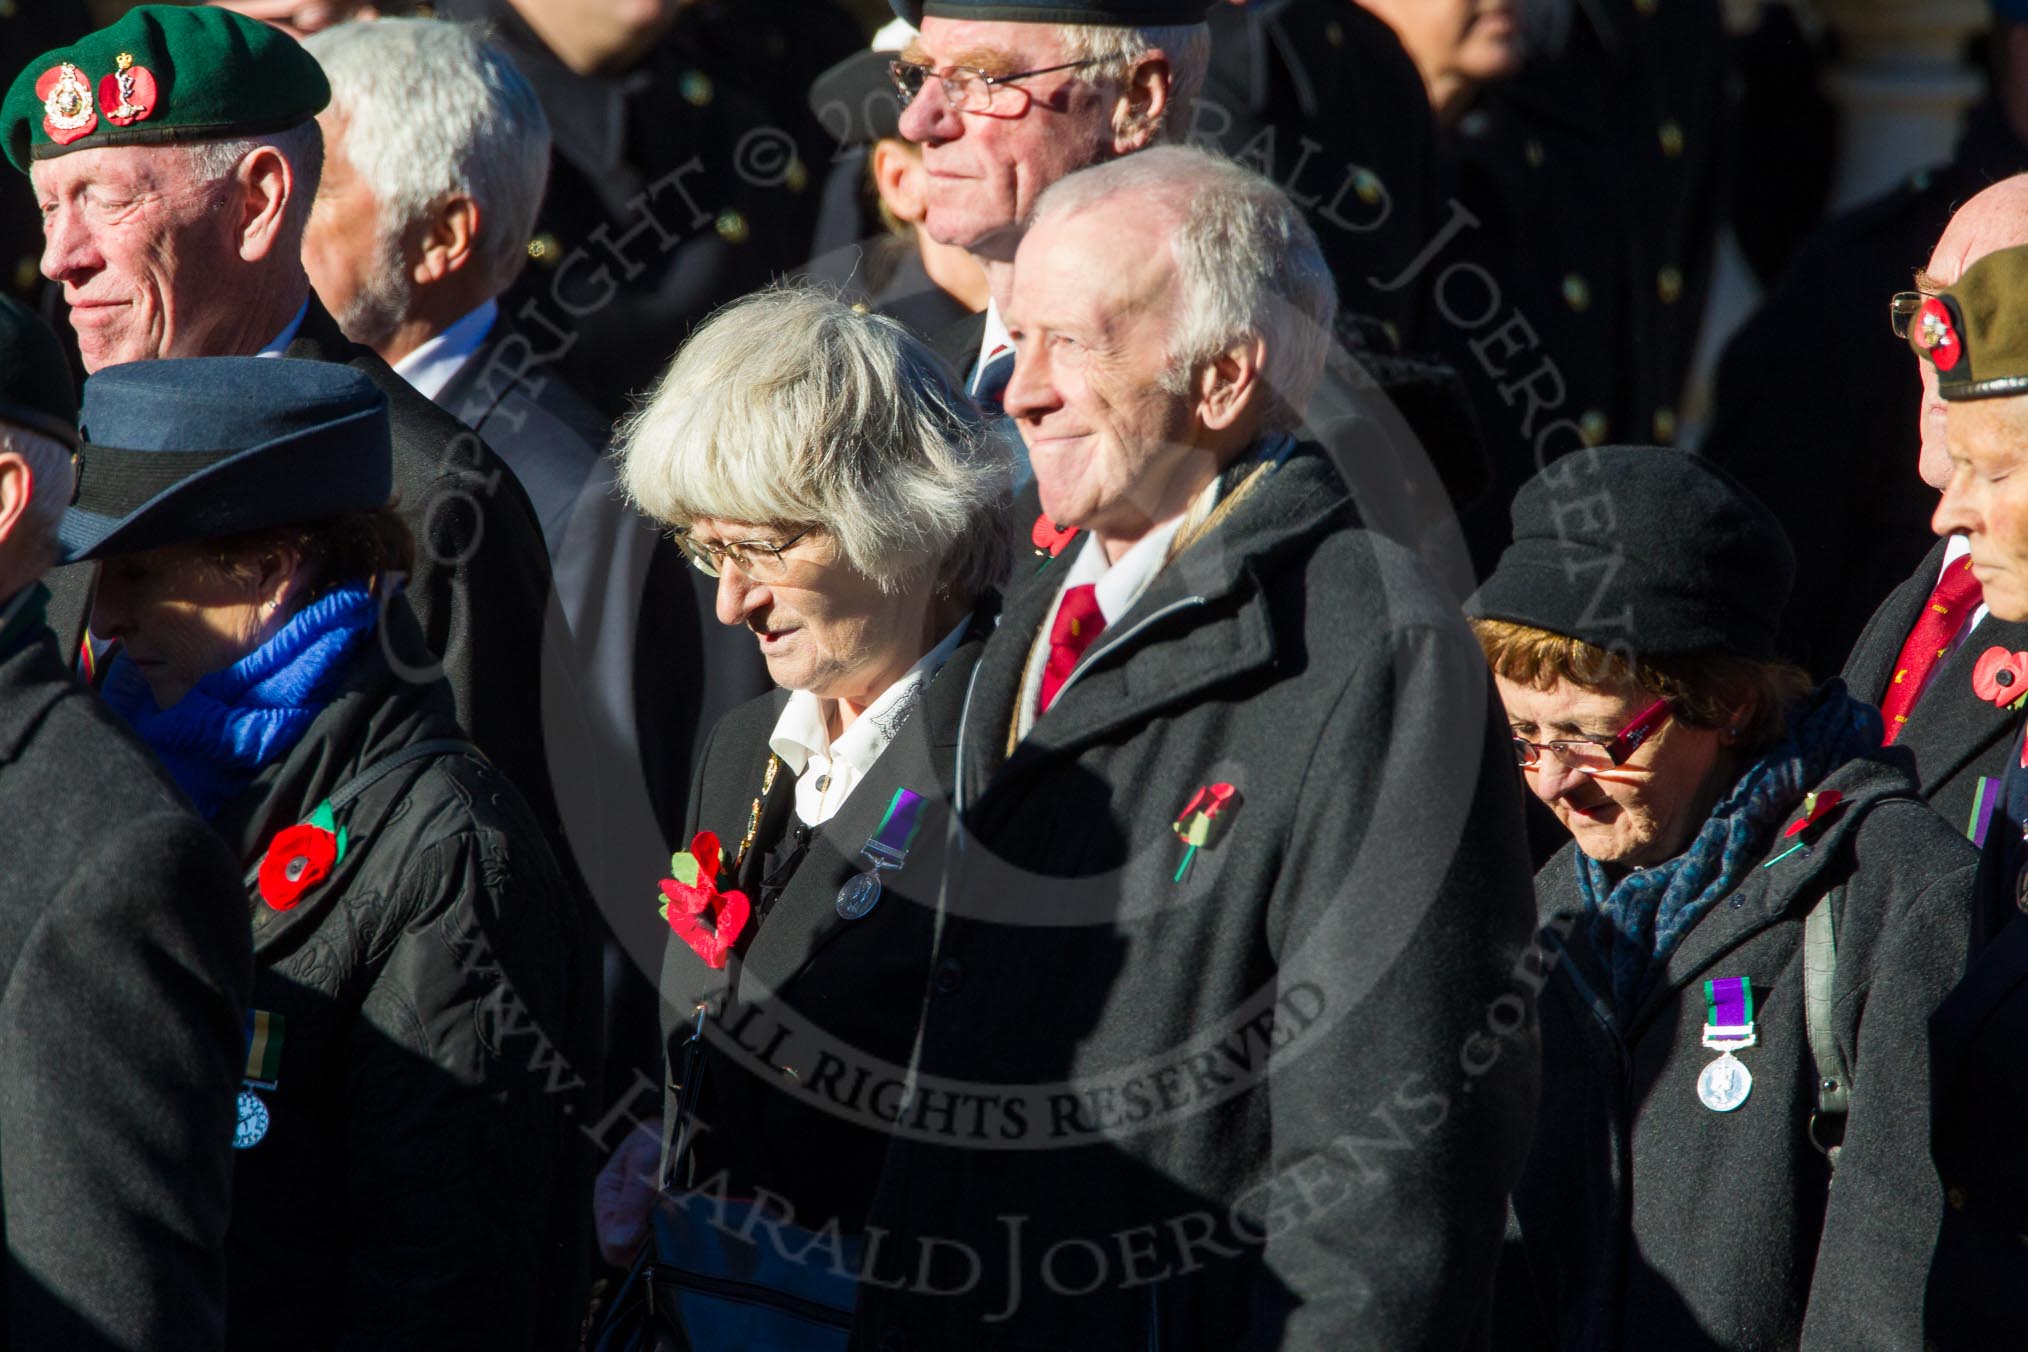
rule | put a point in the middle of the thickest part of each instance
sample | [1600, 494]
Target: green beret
[162, 73]
[35, 386]
[1976, 333]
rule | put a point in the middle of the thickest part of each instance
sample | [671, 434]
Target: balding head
[1996, 218]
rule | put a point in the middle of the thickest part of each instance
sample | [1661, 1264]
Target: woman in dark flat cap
[408, 1174]
[1741, 945]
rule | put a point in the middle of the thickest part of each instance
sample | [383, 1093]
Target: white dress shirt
[433, 365]
[992, 343]
[827, 771]
[1954, 553]
[1114, 586]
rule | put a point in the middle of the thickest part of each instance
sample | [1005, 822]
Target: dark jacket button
[894, 1340]
[948, 977]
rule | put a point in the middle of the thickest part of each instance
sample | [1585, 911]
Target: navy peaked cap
[188, 449]
[1124, 13]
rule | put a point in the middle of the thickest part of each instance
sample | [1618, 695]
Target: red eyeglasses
[1591, 755]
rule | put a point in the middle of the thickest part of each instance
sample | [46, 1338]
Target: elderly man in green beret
[175, 155]
[125, 962]
[1974, 338]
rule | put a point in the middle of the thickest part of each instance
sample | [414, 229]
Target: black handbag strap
[689, 1086]
[349, 792]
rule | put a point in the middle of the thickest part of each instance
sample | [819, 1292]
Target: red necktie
[1950, 605]
[1078, 624]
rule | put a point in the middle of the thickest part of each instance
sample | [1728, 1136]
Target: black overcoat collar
[1202, 621]
[1767, 895]
[1951, 725]
[804, 919]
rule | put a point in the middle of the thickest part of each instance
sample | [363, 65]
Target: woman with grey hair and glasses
[826, 467]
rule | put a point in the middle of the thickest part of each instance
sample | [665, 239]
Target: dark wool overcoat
[1273, 1095]
[1955, 736]
[422, 1182]
[481, 582]
[816, 1012]
[1647, 1222]
[1979, 1079]
[124, 967]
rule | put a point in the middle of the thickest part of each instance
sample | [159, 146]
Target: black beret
[35, 386]
[1119, 13]
[192, 448]
[1648, 551]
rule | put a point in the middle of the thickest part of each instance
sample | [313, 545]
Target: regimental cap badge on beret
[161, 74]
[1935, 334]
[1976, 333]
[66, 100]
[128, 94]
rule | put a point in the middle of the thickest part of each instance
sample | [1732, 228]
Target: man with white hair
[1228, 1037]
[125, 961]
[1916, 656]
[1005, 99]
[175, 155]
[436, 155]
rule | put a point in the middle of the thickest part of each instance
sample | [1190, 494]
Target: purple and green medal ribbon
[898, 827]
[1728, 1004]
[263, 1048]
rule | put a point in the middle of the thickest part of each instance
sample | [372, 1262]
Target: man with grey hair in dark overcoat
[1229, 1034]
[125, 962]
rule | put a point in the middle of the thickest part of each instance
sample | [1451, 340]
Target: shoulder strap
[1834, 1083]
[352, 788]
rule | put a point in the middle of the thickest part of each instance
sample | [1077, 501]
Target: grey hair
[212, 162]
[1247, 265]
[52, 476]
[433, 110]
[789, 407]
[1118, 50]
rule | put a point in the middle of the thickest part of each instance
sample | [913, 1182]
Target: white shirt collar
[433, 365]
[1959, 548]
[1118, 585]
[802, 735]
[994, 341]
[280, 345]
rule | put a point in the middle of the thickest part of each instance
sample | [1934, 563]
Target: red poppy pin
[1817, 807]
[1935, 336]
[128, 95]
[1050, 538]
[67, 111]
[1202, 819]
[301, 857]
[2001, 678]
[691, 897]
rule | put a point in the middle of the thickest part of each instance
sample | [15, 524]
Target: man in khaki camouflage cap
[1974, 335]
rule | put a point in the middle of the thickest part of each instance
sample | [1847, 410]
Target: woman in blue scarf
[1741, 945]
[409, 1173]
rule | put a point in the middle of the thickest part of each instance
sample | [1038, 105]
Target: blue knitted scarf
[1636, 925]
[217, 737]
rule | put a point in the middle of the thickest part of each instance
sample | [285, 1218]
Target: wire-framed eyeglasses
[758, 560]
[1902, 310]
[966, 88]
[1592, 755]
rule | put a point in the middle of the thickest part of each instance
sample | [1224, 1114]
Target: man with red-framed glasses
[1004, 104]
